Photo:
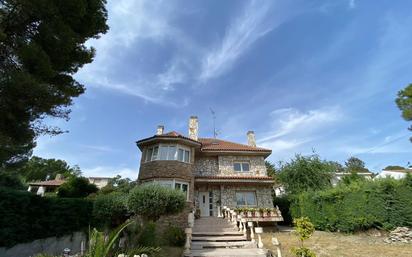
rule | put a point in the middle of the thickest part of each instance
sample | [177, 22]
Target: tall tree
[305, 173]
[270, 169]
[404, 102]
[41, 47]
[40, 169]
[354, 164]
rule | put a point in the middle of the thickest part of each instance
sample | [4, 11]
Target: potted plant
[262, 212]
[273, 212]
[249, 212]
[257, 213]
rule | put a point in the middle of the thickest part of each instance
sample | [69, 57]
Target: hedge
[25, 217]
[383, 204]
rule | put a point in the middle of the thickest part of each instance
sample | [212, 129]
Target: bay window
[168, 152]
[176, 184]
[241, 166]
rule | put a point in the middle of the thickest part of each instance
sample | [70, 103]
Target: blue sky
[304, 75]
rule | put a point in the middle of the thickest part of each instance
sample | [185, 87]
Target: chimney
[251, 138]
[160, 129]
[193, 127]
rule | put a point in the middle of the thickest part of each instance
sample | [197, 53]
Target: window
[241, 166]
[246, 198]
[168, 152]
[178, 185]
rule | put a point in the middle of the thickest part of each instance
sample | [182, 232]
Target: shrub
[11, 180]
[148, 235]
[76, 187]
[152, 201]
[174, 236]
[25, 217]
[384, 203]
[304, 229]
[111, 209]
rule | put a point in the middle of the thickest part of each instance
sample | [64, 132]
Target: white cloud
[280, 145]
[106, 171]
[245, 30]
[290, 121]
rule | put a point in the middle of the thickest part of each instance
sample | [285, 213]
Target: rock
[400, 234]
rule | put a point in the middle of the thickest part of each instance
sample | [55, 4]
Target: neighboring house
[396, 174]
[212, 172]
[100, 182]
[42, 187]
[339, 175]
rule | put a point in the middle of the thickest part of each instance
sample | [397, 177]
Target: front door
[204, 204]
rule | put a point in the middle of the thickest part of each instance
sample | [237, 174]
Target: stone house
[212, 172]
[396, 174]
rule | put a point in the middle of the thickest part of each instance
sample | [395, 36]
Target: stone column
[252, 234]
[41, 190]
[188, 232]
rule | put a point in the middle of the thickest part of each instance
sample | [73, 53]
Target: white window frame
[172, 183]
[245, 198]
[241, 166]
[151, 156]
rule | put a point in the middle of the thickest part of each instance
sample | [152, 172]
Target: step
[208, 244]
[217, 233]
[219, 252]
[219, 238]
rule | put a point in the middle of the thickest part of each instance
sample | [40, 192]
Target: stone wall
[51, 245]
[206, 166]
[263, 195]
[179, 220]
[257, 165]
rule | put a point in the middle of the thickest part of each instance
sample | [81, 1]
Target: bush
[76, 187]
[111, 209]
[25, 217]
[382, 204]
[152, 201]
[148, 235]
[11, 180]
[174, 236]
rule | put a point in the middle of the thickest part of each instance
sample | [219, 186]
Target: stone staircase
[213, 236]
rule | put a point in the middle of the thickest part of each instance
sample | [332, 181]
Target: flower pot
[258, 230]
[258, 214]
[265, 214]
[249, 214]
[273, 213]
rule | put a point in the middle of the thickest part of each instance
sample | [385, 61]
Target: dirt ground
[340, 245]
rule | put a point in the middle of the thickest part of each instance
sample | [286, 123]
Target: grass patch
[326, 244]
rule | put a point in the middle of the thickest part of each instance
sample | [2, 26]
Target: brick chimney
[251, 138]
[193, 127]
[160, 129]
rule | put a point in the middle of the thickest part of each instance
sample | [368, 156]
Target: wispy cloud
[287, 121]
[100, 148]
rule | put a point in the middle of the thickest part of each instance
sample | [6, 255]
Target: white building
[396, 174]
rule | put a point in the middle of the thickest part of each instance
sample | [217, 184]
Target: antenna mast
[214, 122]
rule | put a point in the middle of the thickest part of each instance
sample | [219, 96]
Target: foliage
[118, 184]
[174, 236]
[152, 201]
[304, 229]
[42, 44]
[383, 203]
[148, 236]
[284, 206]
[271, 169]
[41, 169]
[149, 250]
[354, 164]
[101, 245]
[351, 178]
[110, 209]
[26, 217]
[394, 167]
[11, 180]
[76, 187]
[305, 173]
[404, 102]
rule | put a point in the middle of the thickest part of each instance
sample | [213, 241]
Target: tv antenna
[214, 122]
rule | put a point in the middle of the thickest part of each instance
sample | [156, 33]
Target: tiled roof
[213, 144]
[47, 183]
[171, 134]
[235, 177]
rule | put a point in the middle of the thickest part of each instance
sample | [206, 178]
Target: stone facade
[256, 163]
[263, 195]
[206, 166]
